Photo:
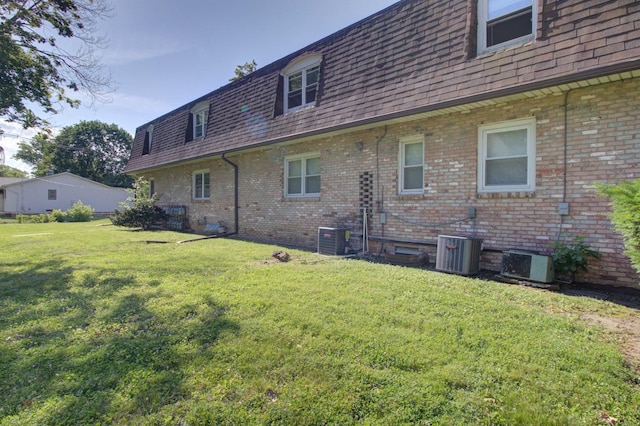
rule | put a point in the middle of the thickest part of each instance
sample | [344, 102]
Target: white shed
[59, 191]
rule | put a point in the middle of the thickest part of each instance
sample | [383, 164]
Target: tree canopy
[91, 149]
[36, 68]
[244, 69]
[8, 171]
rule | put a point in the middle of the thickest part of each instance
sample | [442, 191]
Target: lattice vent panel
[366, 190]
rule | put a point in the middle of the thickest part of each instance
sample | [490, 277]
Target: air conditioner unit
[528, 266]
[333, 241]
[459, 255]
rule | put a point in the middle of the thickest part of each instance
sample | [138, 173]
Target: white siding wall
[32, 196]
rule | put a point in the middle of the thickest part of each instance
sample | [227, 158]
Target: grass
[97, 326]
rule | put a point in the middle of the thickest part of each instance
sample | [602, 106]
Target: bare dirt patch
[626, 330]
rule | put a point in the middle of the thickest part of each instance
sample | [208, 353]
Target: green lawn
[97, 326]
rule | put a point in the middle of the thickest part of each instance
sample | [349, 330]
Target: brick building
[456, 117]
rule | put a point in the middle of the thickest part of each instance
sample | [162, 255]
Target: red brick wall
[603, 145]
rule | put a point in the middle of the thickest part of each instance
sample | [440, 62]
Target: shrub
[572, 256]
[141, 212]
[625, 217]
[32, 218]
[57, 216]
[79, 213]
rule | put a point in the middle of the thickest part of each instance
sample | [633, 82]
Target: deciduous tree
[7, 171]
[37, 67]
[244, 69]
[91, 149]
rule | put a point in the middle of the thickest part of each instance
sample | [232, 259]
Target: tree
[7, 171]
[624, 198]
[244, 69]
[37, 67]
[140, 211]
[91, 149]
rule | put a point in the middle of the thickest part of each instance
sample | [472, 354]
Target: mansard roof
[412, 57]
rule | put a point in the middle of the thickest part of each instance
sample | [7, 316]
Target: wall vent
[459, 255]
[528, 266]
[333, 241]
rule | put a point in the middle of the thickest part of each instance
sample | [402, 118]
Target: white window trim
[200, 109]
[530, 125]
[301, 64]
[193, 184]
[483, 11]
[401, 157]
[304, 158]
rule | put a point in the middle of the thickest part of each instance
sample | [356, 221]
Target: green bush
[141, 212]
[625, 201]
[572, 256]
[79, 213]
[57, 216]
[33, 218]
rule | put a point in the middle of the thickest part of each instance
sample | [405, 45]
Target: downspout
[379, 192]
[236, 193]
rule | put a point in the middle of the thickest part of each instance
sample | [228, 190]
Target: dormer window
[199, 121]
[505, 22]
[301, 81]
[197, 126]
[148, 137]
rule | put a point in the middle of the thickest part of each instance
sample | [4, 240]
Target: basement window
[505, 22]
[506, 156]
[302, 174]
[301, 82]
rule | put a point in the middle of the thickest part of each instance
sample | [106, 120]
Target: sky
[163, 54]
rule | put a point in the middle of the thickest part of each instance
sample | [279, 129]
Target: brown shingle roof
[414, 55]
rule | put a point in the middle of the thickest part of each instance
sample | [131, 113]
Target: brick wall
[603, 145]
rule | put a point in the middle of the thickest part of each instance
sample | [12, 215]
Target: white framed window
[411, 165]
[201, 185]
[198, 116]
[302, 175]
[505, 22]
[199, 123]
[507, 156]
[301, 81]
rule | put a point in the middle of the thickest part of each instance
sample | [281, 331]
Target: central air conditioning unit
[333, 241]
[528, 266]
[459, 255]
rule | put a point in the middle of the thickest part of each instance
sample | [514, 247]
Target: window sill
[505, 194]
[301, 198]
[201, 200]
[523, 41]
[300, 108]
[419, 196]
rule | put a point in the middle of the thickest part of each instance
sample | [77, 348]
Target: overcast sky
[164, 53]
